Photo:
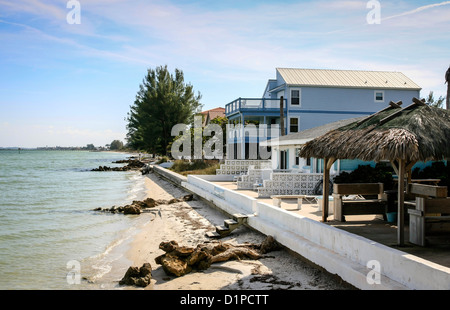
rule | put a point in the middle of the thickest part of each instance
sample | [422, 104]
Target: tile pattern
[240, 166]
[248, 181]
[289, 184]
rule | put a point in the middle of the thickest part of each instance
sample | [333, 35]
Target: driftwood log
[180, 260]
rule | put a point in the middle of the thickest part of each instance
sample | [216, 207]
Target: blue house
[311, 98]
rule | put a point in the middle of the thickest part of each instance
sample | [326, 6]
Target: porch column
[227, 140]
[242, 137]
[265, 129]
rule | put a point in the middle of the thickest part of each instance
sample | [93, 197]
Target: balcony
[254, 105]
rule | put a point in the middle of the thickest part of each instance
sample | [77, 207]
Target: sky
[69, 70]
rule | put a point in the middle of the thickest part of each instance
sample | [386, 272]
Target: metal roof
[347, 78]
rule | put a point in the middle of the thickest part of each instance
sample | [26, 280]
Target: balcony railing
[261, 104]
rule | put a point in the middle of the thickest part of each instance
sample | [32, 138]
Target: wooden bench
[344, 207]
[276, 199]
[431, 215]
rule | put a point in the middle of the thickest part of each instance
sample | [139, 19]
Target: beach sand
[187, 223]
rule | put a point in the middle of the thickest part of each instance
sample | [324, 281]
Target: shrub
[381, 173]
[163, 159]
[437, 170]
[195, 167]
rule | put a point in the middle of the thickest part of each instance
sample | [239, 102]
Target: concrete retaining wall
[169, 175]
[357, 260]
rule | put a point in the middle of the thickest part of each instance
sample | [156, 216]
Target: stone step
[212, 234]
[240, 218]
[231, 224]
[223, 230]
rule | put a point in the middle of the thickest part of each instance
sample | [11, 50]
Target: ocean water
[49, 236]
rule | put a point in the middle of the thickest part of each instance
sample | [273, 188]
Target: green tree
[163, 100]
[222, 121]
[116, 145]
[433, 102]
[190, 134]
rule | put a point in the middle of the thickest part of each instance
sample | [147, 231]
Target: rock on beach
[132, 164]
[138, 276]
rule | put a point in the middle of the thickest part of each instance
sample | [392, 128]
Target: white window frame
[290, 123]
[375, 95]
[299, 97]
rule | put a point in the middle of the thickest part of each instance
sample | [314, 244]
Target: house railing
[236, 134]
[253, 103]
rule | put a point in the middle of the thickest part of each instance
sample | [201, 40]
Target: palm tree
[447, 80]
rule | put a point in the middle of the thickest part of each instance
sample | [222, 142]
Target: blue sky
[72, 84]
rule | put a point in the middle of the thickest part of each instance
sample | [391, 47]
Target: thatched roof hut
[415, 133]
[403, 136]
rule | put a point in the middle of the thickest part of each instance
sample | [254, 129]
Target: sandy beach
[187, 223]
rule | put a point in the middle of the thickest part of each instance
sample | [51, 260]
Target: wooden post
[401, 198]
[394, 166]
[282, 116]
[408, 170]
[327, 163]
[447, 80]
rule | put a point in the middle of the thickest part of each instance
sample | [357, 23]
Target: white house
[285, 150]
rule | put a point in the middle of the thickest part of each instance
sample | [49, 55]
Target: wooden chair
[344, 207]
[431, 215]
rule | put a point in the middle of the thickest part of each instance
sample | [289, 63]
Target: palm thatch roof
[417, 132]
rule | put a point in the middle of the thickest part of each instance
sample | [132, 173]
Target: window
[293, 125]
[379, 96]
[297, 157]
[295, 97]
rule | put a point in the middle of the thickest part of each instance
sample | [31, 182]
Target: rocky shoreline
[138, 206]
[132, 164]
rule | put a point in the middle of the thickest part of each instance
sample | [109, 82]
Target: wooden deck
[368, 226]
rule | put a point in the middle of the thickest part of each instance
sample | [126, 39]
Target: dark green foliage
[437, 170]
[163, 100]
[222, 122]
[381, 173]
[184, 165]
[116, 145]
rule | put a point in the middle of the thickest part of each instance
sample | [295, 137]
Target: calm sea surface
[49, 235]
